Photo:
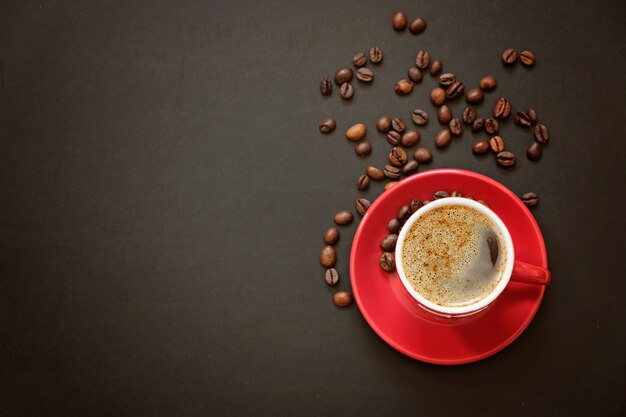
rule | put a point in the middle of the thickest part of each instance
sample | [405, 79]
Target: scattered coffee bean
[343, 217]
[359, 60]
[435, 67]
[328, 256]
[403, 213]
[447, 79]
[422, 59]
[417, 25]
[415, 75]
[419, 117]
[541, 134]
[502, 108]
[425, 202]
[509, 56]
[456, 194]
[376, 55]
[438, 96]
[346, 91]
[356, 132]
[410, 167]
[390, 184]
[393, 226]
[394, 138]
[363, 182]
[326, 87]
[456, 126]
[527, 58]
[480, 147]
[410, 138]
[328, 125]
[443, 138]
[532, 115]
[397, 156]
[403, 87]
[391, 172]
[444, 114]
[488, 83]
[389, 242]
[415, 205]
[362, 205]
[383, 124]
[469, 115]
[388, 262]
[398, 21]
[534, 151]
[343, 75]
[491, 126]
[375, 174]
[363, 148]
[423, 155]
[474, 96]
[478, 125]
[331, 236]
[496, 144]
[455, 90]
[365, 75]
[398, 124]
[530, 199]
[440, 194]
[522, 119]
[506, 159]
[331, 276]
[342, 299]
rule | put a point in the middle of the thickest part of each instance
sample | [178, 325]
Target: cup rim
[508, 269]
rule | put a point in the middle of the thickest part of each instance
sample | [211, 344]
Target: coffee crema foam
[454, 256]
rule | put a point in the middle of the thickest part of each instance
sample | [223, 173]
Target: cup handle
[530, 274]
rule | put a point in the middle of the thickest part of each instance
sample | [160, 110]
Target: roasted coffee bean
[359, 60]
[394, 138]
[363, 182]
[439, 195]
[496, 144]
[491, 126]
[506, 159]
[343, 75]
[456, 194]
[419, 117]
[478, 125]
[438, 96]
[541, 134]
[331, 276]
[343, 217]
[530, 199]
[469, 115]
[328, 256]
[502, 108]
[455, 90]
[456, 126]
[422, 59]
[398, 124]
[435, 67]
[403, 213]
[365, 75]
[447, 79]
[326, 87]
[423, 155]
[356, 132]
[328, 125]
[362, 205]
[363, 148]
[375, 174]
[415, 205]
[388, 262]
[417, 25]
[474, 96]
[444, 114]
[383, 124]
[393, 226]
[488, 83]
[532, 115]
[509, 56]
[397, 156]
[410, 138]
[527, 58]
[403, 87]
[534, 151]
[376, 55]
[388, 244]
[398, 21]
[522, 119]
[331, 236]
[443, 138]
[415, 75]
[390, 184]
[480, 147]
[391, 172]
[342, 299]
[425, 202]
[346, 91]
[410, 167]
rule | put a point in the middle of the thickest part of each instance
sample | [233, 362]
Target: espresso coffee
[454, 256]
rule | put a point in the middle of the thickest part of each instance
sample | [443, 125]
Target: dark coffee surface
[164, 189]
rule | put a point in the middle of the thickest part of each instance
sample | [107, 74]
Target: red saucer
[394, 314]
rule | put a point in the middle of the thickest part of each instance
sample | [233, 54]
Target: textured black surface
[164, 189]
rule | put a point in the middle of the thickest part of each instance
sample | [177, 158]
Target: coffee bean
[419, 117]
[491, 126]
[343, 217]
[509, 56]
[444, 114]
[527, 58]
[415, 205]
[326, 87]
[397, 156]
[443, 138]
[403, 213]
[346, 91]
[532, 115]
[363, 182]
[342, 299]
[469, 115]
[455, 90]
[439, 195]
[365, 75]
[435, 67]
[502, 108]
[534, 151]
[541, 134]
[328, 125]
[496, 144]
[328, 256]
[438, 96]
[394, 138]
[403, 87]
[422, 59]
[417, 25]
[343, 75]
[522, 119]
[359, 60]
[530, 199]
[362, 205]
[398, 124]
[423, 155]
[447, 79]
[383, 124]
[356, 132]
[474, 96]
[410, 138]
[456, 126]
[478, 125]
[391, 172]
[388, 262]
[398, 21]
[488, 83]
[331, 276]
[389, 185]
[389, 242]
[410, 167]
[480, 147]
[393, 226]
[363, 148]
[415, 75]
[425, 202]
[506, 159]
[376, 55]
[331, 236]
[375, 174]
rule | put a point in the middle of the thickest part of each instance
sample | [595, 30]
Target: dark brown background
[164, 190]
